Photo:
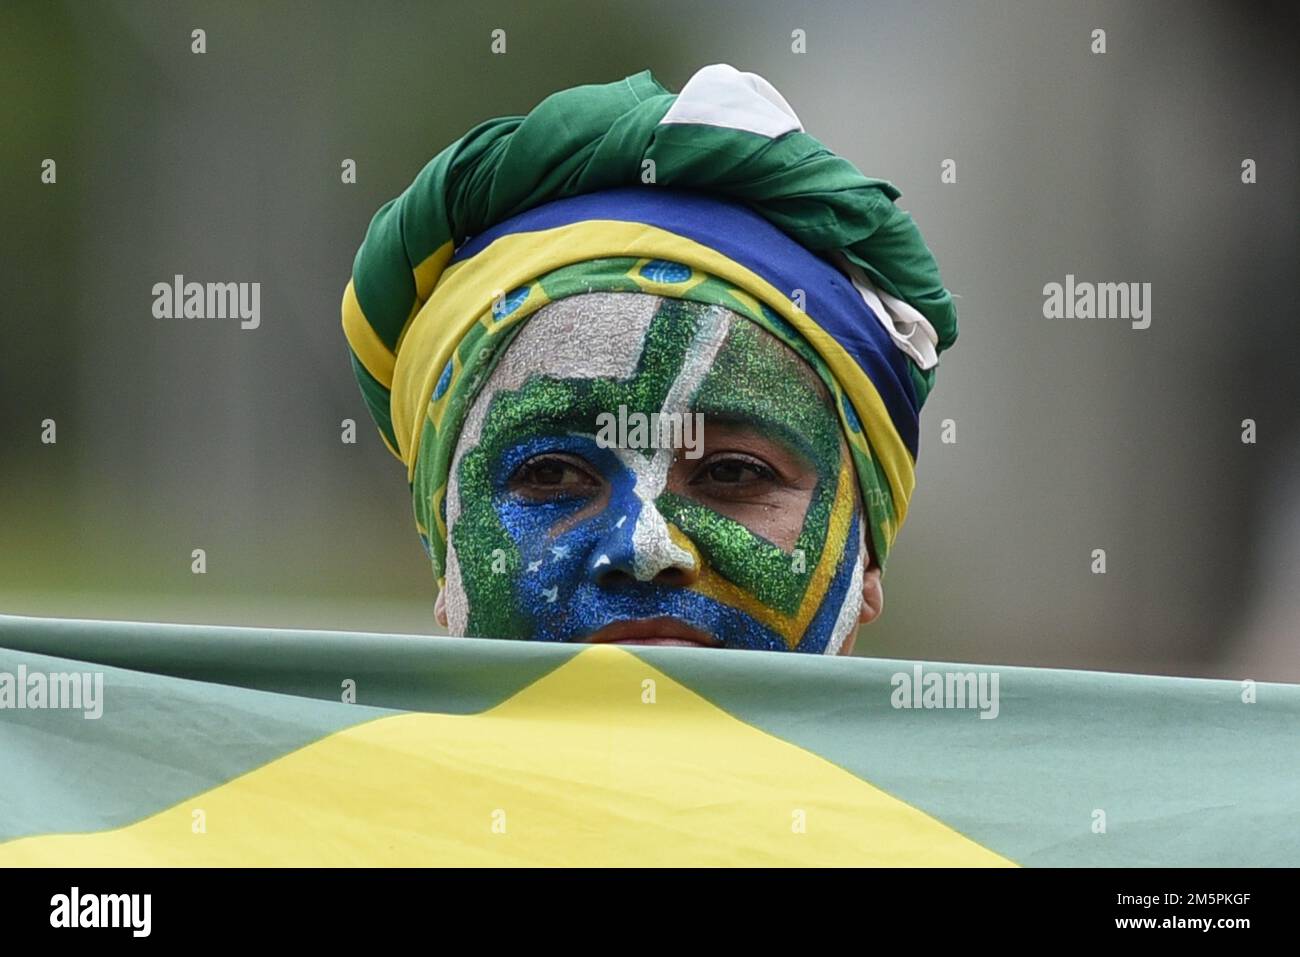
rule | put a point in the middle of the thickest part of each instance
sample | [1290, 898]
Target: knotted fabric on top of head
[715, 194]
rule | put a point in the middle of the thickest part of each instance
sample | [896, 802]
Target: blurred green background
[1070, 435]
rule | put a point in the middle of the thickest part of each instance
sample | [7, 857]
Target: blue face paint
[560, 565]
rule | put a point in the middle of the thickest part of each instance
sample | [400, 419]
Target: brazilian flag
[153, 744]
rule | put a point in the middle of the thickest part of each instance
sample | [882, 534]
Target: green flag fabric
[155, 744]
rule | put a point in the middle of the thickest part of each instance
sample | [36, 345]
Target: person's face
[747, 534]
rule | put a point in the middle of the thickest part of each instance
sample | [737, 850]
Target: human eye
[733, 475]
[550, 476]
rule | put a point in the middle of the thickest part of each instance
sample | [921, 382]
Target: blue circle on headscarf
[664, 270]
[510, 302]
[444, 380]
[850, 415]
[779, 321]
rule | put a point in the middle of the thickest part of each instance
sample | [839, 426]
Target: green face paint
[755, 380]
[645, 540]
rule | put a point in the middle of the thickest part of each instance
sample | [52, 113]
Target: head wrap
[716, 194]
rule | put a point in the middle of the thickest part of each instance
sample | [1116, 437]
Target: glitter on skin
[551, 343]
[543, 401]
[653, 549]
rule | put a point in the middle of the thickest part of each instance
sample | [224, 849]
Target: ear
[873, 603]
[440, 607]
[873, 596]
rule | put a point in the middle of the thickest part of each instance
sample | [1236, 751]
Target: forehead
[635, 336]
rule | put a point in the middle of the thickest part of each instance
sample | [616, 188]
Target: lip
[652, 631]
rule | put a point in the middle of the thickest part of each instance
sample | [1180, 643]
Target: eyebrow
[786, 433]
[768, 415]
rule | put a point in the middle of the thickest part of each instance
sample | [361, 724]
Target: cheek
[778, 518]
[480, 590]
[512, 560]
[840, 598]
[800, 588]
[484, 556]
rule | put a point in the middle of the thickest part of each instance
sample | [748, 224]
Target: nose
[671, 577]
[644, 548]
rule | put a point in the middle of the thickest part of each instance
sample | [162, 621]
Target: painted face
[639, 468]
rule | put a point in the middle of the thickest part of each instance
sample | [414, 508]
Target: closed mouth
[652, 631]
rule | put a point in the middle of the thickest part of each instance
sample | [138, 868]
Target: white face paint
[655, 550]
[846, 622]
[597, 335]
[592, 347]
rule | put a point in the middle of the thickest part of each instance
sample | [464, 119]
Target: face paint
[649, 543]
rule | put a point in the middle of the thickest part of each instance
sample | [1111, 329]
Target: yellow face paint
[625, 547]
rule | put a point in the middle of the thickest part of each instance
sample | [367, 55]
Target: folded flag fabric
[153, 744]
